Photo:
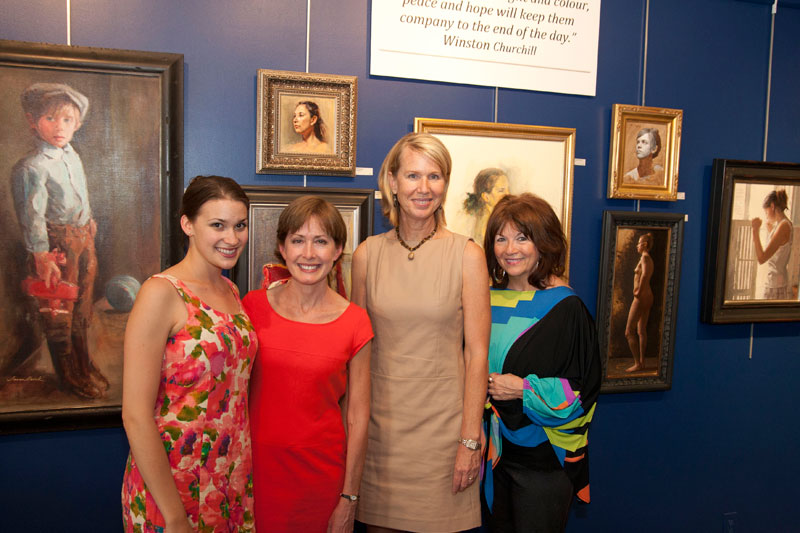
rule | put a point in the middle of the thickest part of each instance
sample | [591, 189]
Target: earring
[394, 199]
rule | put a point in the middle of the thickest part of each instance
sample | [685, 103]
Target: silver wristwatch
[471, 444]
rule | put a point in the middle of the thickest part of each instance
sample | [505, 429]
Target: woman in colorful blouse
[544, 373]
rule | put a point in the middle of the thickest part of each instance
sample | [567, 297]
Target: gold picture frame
[649, 171]
[536, 159]
[328, 144]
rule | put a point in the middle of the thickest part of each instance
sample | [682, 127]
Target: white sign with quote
[542, 45]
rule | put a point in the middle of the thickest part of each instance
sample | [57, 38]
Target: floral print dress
[201, 415]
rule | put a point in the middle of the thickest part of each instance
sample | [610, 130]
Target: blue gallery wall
[721, 440]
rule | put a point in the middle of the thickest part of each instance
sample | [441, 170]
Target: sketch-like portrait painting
[764, 246]
[307, 124]
[644, 152]
[644, 161]
[81, 204]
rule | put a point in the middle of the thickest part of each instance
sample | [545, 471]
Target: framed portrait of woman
[645, 150]
[637, 303]
[752, 268]
[306, 123]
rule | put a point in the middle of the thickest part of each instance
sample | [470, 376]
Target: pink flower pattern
[201, 414]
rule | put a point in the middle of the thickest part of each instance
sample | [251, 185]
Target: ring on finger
[490, 380]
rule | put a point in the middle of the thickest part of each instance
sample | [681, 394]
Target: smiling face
[302, 120]
[418, 184]
[310, 253]
[517, 255]
[218, 232]
[644, 145]
[57, 125]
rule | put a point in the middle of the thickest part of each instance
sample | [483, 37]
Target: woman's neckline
[205, 304]
[287, 319]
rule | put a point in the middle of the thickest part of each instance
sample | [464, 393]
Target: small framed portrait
[266, 204]
[645, 149]
[306, 123]
[491, 160]
[752, 266]
[637, 303]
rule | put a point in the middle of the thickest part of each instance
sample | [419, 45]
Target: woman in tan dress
[426, 290]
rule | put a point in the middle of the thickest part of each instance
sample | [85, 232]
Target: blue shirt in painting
[49, 186]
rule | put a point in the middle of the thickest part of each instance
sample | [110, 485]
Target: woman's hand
[341, 521]
[467, 469]
[505, 386]
[756, 223]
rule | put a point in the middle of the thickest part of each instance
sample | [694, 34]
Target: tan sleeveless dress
[417, 388]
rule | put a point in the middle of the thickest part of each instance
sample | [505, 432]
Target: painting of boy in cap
[52, 205]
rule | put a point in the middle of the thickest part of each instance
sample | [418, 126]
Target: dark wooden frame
[612, 221]
[168, 68]
[725, 174]
[248, 267]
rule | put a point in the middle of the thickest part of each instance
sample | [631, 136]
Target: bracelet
[350, 497]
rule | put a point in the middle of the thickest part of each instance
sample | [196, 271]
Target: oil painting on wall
[86, 204]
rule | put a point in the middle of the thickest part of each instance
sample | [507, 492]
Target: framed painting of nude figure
[637, 303]
[92, 173]
[645, 150]
[752, 268]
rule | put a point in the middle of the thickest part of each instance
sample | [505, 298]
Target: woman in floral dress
[189, 348]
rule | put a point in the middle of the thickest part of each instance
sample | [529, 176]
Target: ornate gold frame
[626, 119]
[340, 91]
[565, 137]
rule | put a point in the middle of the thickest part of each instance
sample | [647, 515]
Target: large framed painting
[637, 303]
[493, 159]
[306, 123]
[266, 204]
[752, 268]
[92, 172]
[645, 152]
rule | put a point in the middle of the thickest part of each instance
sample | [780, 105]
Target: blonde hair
[422, 143]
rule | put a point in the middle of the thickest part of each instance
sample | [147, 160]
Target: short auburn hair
[535, 219]
[301, 210]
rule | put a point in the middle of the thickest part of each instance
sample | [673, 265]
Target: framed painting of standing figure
[637, 303]
[752, 268]
[93, 170]
[645, 150]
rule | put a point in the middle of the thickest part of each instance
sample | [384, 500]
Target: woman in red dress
[310, 385]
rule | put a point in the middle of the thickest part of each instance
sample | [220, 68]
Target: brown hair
[648, 239]
[484, 182]
[777, 198]
[655, 139]
[301, 210]
[313, 110]
[422, 143]
[206, 188]
[535, 219]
